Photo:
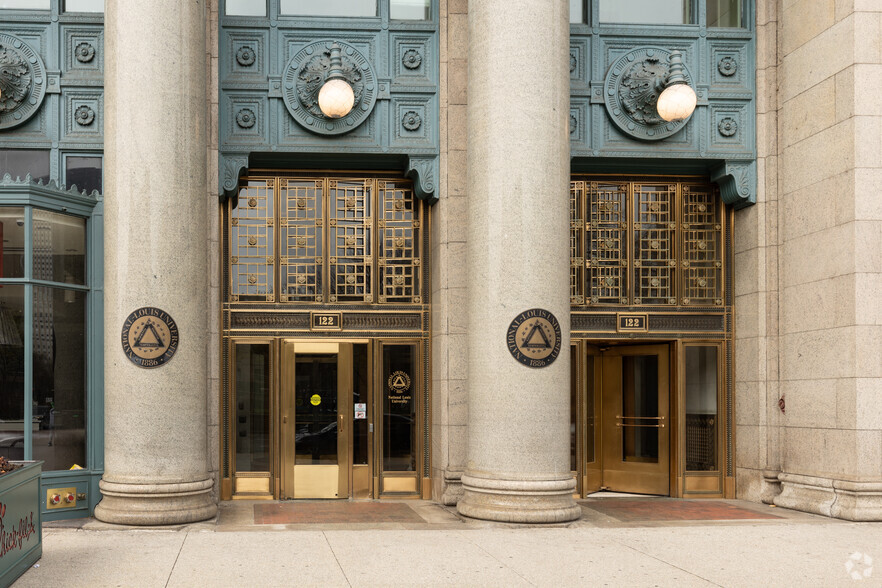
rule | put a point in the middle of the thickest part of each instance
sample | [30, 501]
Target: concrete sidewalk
[793, 550]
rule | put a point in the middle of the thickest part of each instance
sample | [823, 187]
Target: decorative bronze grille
[339, 240]
[252, 243]
[645, 243]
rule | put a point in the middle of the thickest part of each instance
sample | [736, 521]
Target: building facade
[495, 277]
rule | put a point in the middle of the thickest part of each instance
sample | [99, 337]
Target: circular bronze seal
[534, 338]
[149, 337]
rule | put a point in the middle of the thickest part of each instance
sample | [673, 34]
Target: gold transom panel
[339, 240]
[650, 242]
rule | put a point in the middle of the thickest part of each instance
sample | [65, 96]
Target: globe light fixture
[336, 97]
[677, 101]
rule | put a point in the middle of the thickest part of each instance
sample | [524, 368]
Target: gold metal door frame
[314, 481]
[396, 483]
[251, 485]
[618, 474]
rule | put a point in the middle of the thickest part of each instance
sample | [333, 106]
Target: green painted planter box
[21, 538]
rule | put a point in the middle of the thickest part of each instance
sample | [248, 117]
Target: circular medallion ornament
[534, 338]
[631, 89]
[306, 73]
[149, 337]
[399, 382]
[22, 81]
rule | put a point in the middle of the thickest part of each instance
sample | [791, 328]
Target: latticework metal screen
[645, 243]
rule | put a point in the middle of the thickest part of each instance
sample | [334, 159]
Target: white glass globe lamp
[677, 101]
[336, 97]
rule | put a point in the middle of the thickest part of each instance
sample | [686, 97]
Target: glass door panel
[399, 400]
[252, 418]
[593, 474]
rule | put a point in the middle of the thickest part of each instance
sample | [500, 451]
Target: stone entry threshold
[645, 510]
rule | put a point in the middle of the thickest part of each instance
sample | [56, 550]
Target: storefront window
[701, 408]
[43, 337]
[329, 7]
[59, 390]
[12, 372]
[654, 12]
[12, 242]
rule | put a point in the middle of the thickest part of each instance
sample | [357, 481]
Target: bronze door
[622, 398]
[635, 417]
[315, 403]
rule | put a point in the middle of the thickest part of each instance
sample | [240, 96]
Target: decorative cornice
[29, 189]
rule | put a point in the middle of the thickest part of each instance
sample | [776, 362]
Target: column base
[841, 499]
[155, 504]
[518, 501]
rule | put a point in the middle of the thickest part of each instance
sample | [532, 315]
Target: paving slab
[418, 558]
[301, 558]
[73, 557]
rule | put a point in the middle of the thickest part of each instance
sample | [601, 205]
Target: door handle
[342, 421]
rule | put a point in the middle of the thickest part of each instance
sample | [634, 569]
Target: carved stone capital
[423, 171]
[737, 181]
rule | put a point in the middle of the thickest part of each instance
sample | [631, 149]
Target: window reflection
[84, 5]
[724, 13]
[12, 240]
[646, 11]
[399, 407]
[18, 163]
[83, 172]
[59, 394]
[328, 7]
[252, 408]
[701, 408]
[410, 9]
[12, 376]
[59, 247]
[245, 8]
[25, 4]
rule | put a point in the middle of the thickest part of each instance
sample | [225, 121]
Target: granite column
[518, 466]
[155, 256]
